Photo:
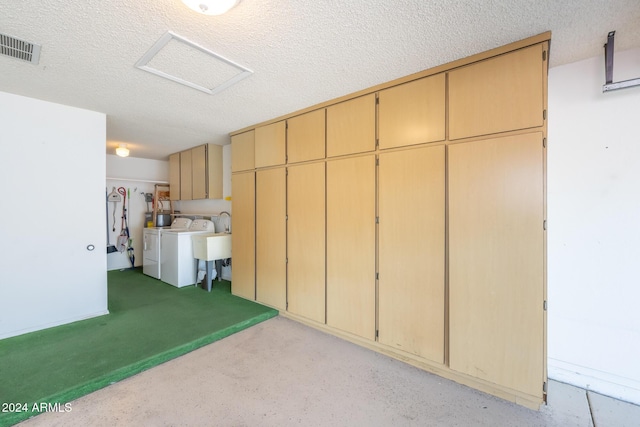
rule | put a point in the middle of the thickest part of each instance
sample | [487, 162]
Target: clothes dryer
[152, 246]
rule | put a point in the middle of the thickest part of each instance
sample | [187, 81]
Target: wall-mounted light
[122, 150]
[211, 7]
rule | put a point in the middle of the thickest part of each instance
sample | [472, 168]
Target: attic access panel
[180, 60]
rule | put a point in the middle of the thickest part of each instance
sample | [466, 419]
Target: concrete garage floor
[282, 373]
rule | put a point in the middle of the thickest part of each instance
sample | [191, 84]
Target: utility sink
[212, 246]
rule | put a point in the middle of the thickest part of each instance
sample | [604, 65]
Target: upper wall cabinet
[243, 151]
[199, 172]
[214, 171]
[412, 113]
[306, 137]
[498, 94]
[270, 143]
[196, 174]
[186, 192]
[351, 126]
[174, 176]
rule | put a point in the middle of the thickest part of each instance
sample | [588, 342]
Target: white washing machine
[177, 262]
[153, 247]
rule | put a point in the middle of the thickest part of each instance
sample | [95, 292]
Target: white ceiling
[302, 52]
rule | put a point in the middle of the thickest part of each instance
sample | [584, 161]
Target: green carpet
[149, 323]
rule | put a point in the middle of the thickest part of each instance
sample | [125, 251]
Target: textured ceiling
[302, 52]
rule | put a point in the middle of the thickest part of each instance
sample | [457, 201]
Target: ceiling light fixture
[211, 7]
[122, 150]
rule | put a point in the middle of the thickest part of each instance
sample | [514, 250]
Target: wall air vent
[19, 49]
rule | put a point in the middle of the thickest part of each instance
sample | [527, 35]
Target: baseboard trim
[594, 380]
[526, 400]
[52, 324]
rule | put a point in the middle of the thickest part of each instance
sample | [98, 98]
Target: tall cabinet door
[496, 276]
[411, 285]
[351, 245]
[306, 241]
[271, 240]
[243, 272]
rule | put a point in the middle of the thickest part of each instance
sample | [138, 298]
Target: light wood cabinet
[500, 94]
[199, 172]
[306, 137]
[351, 245]
[214, 171]
[351, 126]
[271, 232]
[412, 113]
[185, 176]
[243, 151]
[496, 253]
[243, 238]
[270, 144]
[174, 176]
[306, 240]
[411, 286]
[196, 174]
[435, 253]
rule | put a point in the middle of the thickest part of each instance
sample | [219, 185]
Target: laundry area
[146, 229]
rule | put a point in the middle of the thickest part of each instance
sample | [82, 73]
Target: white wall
[52, 169]
[132, 174]
[594, 227]
[137, 177]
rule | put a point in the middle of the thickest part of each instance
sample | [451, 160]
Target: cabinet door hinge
[377, 99]
[544, 142]
[377, 276]
[377, 333]
[544, 387]
[377, 220]
[544, 225]
[544, 305]
[286, 260]
[544, 55]
[544, 114]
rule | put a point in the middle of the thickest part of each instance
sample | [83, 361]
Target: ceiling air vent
[19, 49]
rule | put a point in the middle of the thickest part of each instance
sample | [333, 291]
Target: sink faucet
[227, 228]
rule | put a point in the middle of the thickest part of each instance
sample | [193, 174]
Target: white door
[53, 267]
